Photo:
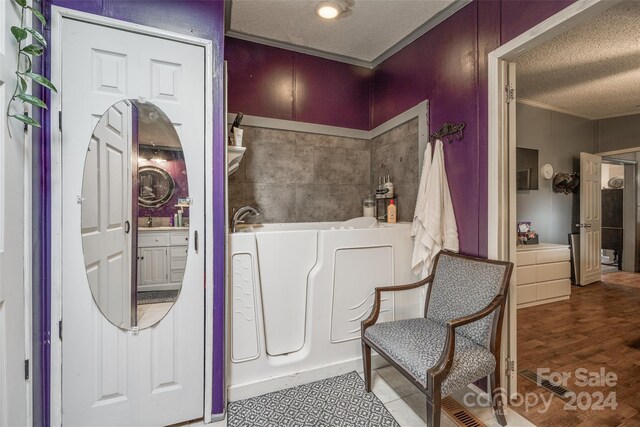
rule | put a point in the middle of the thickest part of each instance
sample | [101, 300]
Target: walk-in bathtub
[297, 295]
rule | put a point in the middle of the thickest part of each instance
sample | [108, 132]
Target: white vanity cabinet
[543, 274]
[162, 258]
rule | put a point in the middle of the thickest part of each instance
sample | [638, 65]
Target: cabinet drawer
[148, 240]
[553, 289]
[178, 259]
[526, 258]
[179, 238]
[527, 293]
[552, 255]
[555, 271]
[177, 276]
[526, 274]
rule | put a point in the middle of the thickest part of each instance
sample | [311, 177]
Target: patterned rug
[334, 402]
[154, 297]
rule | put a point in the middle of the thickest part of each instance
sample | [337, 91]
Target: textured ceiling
[372, 27]
[592, 70]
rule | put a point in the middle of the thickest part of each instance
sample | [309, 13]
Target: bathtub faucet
[241, 214]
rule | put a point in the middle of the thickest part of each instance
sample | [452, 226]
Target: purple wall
[447, 66]
[200, 18]
[277, 83]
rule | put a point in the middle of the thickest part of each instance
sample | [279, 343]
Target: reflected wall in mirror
[135, 253]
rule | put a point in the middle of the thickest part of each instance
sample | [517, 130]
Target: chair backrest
[463, 285]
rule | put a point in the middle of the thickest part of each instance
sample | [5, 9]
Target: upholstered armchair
[457, 341]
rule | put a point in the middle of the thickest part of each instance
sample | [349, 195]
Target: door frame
[58, 14]
[501, 154]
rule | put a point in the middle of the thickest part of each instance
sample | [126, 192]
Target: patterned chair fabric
[416, 345]
[461, 287]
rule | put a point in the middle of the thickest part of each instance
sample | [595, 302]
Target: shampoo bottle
[392, 211]
[388, 185]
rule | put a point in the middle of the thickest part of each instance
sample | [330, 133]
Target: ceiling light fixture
[328, 10]
[332, 9]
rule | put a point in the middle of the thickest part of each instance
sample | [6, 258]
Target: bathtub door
[111, 376]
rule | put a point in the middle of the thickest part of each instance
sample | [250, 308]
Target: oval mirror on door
[135, 216]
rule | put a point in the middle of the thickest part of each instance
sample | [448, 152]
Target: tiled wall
[395, 153]
[304, 177]
[301, 177]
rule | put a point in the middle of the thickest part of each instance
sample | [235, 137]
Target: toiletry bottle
[170, 221]
[179, 218]
[392, 212]
[175, 219]
[388, 185]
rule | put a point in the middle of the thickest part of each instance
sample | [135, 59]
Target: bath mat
[339, 401]
[154, 297]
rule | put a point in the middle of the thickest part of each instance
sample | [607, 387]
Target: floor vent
[546, 384]
[459, 414]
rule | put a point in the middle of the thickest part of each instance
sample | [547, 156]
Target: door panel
[13, 386]
[590, 218]
[154, 376]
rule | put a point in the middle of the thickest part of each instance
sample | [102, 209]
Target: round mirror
[135, 216]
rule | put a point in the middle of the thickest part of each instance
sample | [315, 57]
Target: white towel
[440, 229]
[422, 192]
[418, 227]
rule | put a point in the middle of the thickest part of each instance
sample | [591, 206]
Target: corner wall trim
[420, 111]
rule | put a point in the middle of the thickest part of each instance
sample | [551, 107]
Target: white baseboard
[257, 388]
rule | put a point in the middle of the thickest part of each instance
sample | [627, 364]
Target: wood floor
[598, 327]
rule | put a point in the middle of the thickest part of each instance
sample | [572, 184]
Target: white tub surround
[298, 293]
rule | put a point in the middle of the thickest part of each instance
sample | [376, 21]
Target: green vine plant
[24, 68]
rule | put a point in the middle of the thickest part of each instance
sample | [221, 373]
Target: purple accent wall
[448, 66]
[277, 83]
[200, 18]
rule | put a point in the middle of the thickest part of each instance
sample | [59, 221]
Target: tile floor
[407, 404]
[150, 314]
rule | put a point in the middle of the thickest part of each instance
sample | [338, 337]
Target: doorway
[502, 205]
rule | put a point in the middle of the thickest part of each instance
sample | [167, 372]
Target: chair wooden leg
[496, 398]
[366, 364]
[433, 411]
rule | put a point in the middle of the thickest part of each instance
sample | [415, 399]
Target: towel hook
[449, 131]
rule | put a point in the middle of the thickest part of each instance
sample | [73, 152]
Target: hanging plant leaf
[41, 80]
[19, 33]
[37, 36]
[28, 61]
[33, 100]
[38, 15]
[33, 49]
[23, 84]
[26, 119]
[22, 3]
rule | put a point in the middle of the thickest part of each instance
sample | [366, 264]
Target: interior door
[111, 376]
[590, 218]
[106, 225]
[13, 158]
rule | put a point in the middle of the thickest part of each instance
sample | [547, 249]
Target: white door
[111, 376]
[13, 158]
[106, 216]
[590, 218]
